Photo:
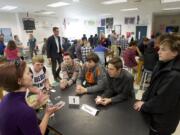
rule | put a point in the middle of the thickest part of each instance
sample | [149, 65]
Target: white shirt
[57, 43]
[39, 78]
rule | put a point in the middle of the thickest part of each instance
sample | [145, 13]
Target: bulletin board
[7, 34]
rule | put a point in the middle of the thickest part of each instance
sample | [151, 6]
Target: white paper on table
[74, 100]
[52, 90]
[91, 110]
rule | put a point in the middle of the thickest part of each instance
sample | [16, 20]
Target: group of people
[15, 49]
[161, 102]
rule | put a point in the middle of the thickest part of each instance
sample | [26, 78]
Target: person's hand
[98, 100]
[80, 89]
[48, 86]
[138, 105]
[69, 82]
[63, 84]
[105, 101]
[52, 109]
[42, 98]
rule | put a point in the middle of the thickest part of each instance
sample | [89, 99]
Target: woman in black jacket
[161, 102]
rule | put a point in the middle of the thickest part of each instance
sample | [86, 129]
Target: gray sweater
[100, 79]
[119, 88]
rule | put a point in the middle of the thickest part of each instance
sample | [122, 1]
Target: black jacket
[162, 99]
[52, 48]
[150, 57]
[120, 88]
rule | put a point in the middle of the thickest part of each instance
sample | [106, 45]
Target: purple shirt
[16, 117]
[129, 58]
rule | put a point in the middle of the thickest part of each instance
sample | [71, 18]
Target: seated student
[119, 84]
[70, 71]
[92, 76]
[161, 102]
[16, 117]
[39, 73]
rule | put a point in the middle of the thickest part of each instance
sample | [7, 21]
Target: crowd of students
[160, 102]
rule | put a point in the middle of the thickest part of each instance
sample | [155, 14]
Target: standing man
[54, 52]
[32, 45]
[114, 38]
[19, 46]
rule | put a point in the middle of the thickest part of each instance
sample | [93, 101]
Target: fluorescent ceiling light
[75, 0]
[58, 4]
[48, 13]
[169, 1]
[113, 2]
[129, 9]
[106, 14]
[175, 8]
[8, 7]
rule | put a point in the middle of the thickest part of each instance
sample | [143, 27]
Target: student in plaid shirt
[70, 71]
[123, 43]
[85, 49]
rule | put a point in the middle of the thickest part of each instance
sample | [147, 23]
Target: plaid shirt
[84, 51]
[70, 72]
[123, 43]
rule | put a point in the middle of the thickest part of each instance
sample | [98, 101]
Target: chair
[144, 78]
[139, 71]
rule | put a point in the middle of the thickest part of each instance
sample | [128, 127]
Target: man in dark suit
[54, 52]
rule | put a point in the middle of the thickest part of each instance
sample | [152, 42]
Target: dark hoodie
[162, 99]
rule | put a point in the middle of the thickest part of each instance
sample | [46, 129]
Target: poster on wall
[109, 23]
[91, 22]
[117, 29]
[7, 34]
[129, 20]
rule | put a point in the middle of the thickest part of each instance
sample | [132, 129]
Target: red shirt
[11, 54]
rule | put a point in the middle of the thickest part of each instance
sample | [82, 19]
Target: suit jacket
[52, 48]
